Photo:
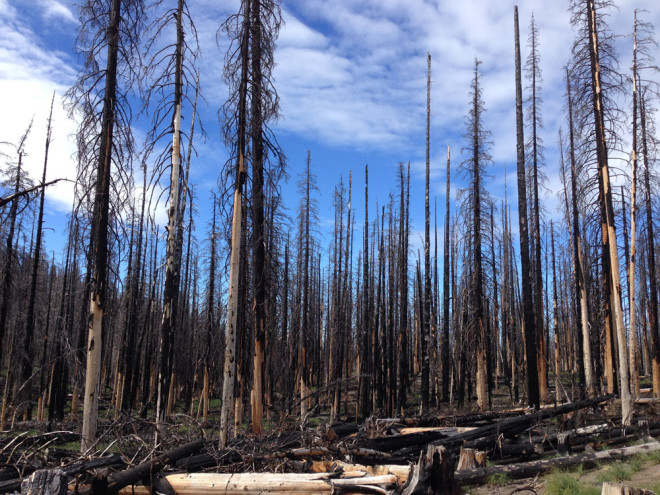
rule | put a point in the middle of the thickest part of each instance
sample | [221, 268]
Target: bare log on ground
[147, 469]
[259, 483]
[79, 467]
[530, 469]
[513, 426]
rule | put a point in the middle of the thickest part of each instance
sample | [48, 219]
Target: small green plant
[563, 483]
[618, 471]
[636, 464]
[498, 479]
[650, 457]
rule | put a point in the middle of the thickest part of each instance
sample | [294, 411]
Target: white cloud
[29, 75]
[54, 10]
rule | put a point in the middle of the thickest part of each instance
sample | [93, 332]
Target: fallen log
[530, 469]
[341, 430]
[149, 468]
[259, 483]
[513, 426]
[201, 461]
[10, 486]
[447, 430]
[396, 442]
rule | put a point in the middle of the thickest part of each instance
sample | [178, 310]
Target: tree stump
[45, 482]
[564, 444]
[471, 459]
[644, 429]
[433, 474]
[617, 489]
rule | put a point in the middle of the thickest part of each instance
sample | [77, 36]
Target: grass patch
[498, 479]
[619, 471]
[563, 483]
[650, 457]
[654, 487]
[74, 446]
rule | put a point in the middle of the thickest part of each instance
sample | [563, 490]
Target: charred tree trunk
[260, 290]
[236, 235]
[613, 280]
[99, 251]
[528, 309]
[445, 293]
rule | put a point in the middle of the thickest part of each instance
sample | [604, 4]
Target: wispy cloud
[30, 72]
[57, 11]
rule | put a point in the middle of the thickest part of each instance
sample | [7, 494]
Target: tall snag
[528, 308]
[104, 83]
[474, 197]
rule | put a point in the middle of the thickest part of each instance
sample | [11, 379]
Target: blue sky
[351, 75]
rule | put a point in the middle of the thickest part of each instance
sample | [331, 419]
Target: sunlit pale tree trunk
[613, 278]
[237, 221]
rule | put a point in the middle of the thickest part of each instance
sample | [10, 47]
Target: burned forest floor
[573, 447]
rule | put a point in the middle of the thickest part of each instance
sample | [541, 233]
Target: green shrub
[618, 471]
[498, 479]
[563, 483]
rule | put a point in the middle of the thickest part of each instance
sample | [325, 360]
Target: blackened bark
[528, 308]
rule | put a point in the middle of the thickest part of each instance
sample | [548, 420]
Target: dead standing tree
[252, 104]
[474, 197]
[172, 77]
[100, 95]
[528, 308]
[26, 377]
[535, 153]
[593, 41]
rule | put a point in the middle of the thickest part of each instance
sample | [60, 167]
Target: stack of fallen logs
[385, 456]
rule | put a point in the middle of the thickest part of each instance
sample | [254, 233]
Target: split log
[617, 489]
[45, 482]
[530, 469]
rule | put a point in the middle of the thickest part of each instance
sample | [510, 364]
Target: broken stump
[45, 482]
[618, 489]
